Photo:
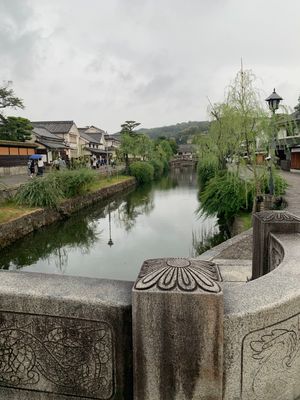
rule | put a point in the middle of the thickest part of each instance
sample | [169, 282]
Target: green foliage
[129, 126]
[16, 128]
[75, 182]
[136, 146]
[40, 192]
[54, 187]
[158, 166]
[78, 163]
[142, 171]
[207, 241]
[280, 184]
[166, 149]
[226, 194]
[8, 99]
[206, 170]
[180, 132]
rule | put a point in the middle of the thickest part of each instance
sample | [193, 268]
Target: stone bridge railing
[179, 332]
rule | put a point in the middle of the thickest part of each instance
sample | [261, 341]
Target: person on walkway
[62, 163]
[94, 162]
[31, 168]
[40, 167]
[56, 164]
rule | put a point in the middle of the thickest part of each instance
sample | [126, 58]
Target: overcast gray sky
[100, 62]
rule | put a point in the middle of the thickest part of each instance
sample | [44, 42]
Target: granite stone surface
[64, 336]
[178, 331]
[261, 332]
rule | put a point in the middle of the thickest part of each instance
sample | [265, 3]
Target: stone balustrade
[64, 336]
[262, 317]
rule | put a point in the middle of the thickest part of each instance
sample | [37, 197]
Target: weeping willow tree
[238, 126]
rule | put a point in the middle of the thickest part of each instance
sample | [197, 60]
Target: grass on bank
[245, 219]
[105, 182]
[51, 190]
[10, 211]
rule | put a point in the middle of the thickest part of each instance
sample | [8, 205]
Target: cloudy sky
[100, 62]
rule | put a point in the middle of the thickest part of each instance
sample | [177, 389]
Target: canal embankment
[34, 219]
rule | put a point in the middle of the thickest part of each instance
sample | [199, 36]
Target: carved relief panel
[271, 362]
[56, 355]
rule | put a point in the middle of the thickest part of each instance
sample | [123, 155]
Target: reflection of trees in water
[166, 183]
[184, 176]
[136, 203]
[52, 242]
[207, 238]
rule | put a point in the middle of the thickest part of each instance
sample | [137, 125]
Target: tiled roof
[52, 144]
[86, 128]
[54, 126]
[96, 136]
[111, 137]
[89, 138]
[45, 133]
[186, 148]
[82, 130]
[15, 143]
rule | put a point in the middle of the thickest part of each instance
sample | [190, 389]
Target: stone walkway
[292, 195]
[13, 180]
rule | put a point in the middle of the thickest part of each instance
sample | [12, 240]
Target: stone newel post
[178, 331]
[264, 223]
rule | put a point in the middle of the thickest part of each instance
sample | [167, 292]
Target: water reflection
[208, 238]
[110, 242]
[136, 203]
[113, 238]
[55, 241]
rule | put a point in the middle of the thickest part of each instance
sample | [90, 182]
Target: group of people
[35, 167]
[98, 162]
[59, 163]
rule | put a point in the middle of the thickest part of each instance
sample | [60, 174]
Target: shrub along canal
[112, 239]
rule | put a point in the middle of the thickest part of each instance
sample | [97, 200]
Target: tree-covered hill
[181, 132]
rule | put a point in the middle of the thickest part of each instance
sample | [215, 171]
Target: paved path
[13, 180]
[292, 194]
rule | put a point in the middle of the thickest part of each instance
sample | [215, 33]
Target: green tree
[129, 126]
[8, 99]
[237, 126]
[143, 147]
[166, 148]
[16, 128]
[128, 142]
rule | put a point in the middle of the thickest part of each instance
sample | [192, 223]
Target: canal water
[111, 240]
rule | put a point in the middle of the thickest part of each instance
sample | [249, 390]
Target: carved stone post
[178, 331]
[264, 223]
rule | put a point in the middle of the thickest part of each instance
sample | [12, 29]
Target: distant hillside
[181, 132]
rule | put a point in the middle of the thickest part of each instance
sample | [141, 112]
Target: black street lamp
[273, 101]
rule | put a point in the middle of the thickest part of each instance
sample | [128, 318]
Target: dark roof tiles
[54, 126]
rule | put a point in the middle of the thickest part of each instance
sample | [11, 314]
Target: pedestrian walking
[40, 171]
[31, 168]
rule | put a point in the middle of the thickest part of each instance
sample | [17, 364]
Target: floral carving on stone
[170, 274]
[278, 216]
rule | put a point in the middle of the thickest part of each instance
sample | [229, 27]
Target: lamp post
[273, 101]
